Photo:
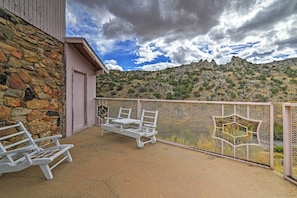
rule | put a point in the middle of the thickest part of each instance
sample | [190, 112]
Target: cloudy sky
[156, 34]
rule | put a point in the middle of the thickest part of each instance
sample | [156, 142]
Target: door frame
[85, 101]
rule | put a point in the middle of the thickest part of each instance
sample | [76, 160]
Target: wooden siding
[47, 15]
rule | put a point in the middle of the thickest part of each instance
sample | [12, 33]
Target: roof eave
[85, 49]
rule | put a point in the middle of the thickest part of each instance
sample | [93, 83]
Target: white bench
[18, 151]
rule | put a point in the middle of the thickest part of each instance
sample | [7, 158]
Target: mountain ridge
[238, 80]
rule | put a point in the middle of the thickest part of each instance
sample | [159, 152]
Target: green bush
[293, 81]
[197, 94]
[142, 89]
[131, 91]
[205, 83]
[169, 96]
[157, 95]
[278, 131]
[233, 95]
[279, 149]
[274, 90]
[111, 86]
[120, 87]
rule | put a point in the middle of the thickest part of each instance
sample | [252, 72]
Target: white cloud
[71, 18]
[147, 53]
[157, 66]
[112, 64]
[187, 31]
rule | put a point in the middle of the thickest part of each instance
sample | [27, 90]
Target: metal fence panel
[238, 130]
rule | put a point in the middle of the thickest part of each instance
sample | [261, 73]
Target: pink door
[79, 101]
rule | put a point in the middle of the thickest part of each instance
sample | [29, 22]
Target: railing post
[139, 108]
[287, 129]
[271, 135]
[96, 119]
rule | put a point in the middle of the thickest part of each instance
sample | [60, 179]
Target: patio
[112, 166]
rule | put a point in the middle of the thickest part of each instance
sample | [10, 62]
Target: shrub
[209, 87]
[233, 95]
[278, 131]
[205, 83]
[131, 91]
[142, 89]
[111, 86]
[293, 81]
[197, 94]
[169, 95]
[157, 95]
[257, 85]
[174, 83]
[279, 149]
[274, 90]
[120, 87]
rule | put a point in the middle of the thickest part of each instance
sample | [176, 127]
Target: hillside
[237, 80]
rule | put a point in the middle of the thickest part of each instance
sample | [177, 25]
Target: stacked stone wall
[31, 77]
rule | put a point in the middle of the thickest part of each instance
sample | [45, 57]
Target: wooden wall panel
[47, 15]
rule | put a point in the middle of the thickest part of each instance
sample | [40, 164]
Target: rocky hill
[237, 80]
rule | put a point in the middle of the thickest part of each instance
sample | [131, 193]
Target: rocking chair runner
[18, 151]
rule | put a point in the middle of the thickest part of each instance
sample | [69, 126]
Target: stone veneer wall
[31, 77]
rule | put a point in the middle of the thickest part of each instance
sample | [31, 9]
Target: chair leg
[153, 139]
[67, 154]
[139, 143]
[46, 171]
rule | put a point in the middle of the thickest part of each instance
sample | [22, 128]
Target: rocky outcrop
[31, 76]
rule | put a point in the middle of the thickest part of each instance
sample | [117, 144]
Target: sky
[153, 35]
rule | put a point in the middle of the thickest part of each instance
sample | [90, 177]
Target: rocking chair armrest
[148, 128]
[111, 118]
[108, 119]
[54, 137]
[150, 125]
[20, 150]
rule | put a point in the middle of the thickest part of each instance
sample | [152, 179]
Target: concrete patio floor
[112, 166]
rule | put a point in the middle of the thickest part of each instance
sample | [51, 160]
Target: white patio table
[125, 121]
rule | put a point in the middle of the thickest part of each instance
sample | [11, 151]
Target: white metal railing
[290, 141]
[238, 130]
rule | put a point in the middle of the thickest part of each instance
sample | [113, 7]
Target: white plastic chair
[18, 151]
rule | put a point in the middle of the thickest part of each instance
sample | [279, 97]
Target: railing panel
[238, 130]
[290, 141]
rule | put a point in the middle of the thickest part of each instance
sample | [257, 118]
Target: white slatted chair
[146, 129]
[108, 126]
[18, 151]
